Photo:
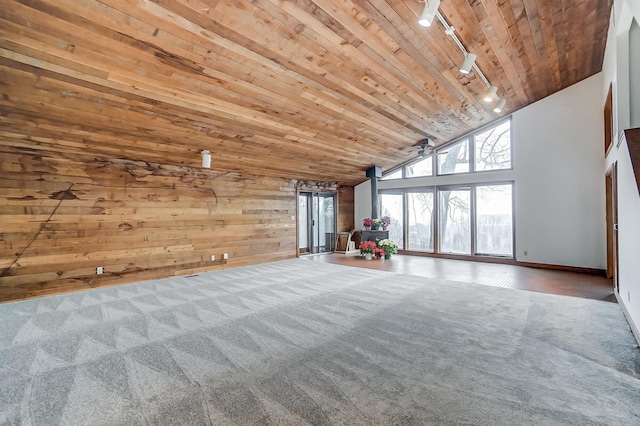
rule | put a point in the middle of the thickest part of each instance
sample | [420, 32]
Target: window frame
[471, 136]
[435, 189]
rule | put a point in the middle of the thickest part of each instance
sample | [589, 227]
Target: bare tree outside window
[421, 168]
[454, 158]
[391, 205]
[420, 209]
[493, 148]
[494, 220]
[455, 221]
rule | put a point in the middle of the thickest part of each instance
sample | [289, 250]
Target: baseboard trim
[627, 316]
[509, 261]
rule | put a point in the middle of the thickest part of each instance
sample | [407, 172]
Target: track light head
[206, 159]
[500, 105]
[491, 94]
[429, 12]
[469, 60]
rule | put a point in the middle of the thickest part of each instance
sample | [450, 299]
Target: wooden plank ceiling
[303, 89]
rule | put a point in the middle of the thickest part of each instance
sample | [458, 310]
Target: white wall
[558, 170]
[616, 70]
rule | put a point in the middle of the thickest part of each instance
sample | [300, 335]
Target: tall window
[391, 205]
[454, 212]
[494, 220]
[465, 217]
[420, 217]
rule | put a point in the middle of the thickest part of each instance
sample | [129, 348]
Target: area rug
[301, 342]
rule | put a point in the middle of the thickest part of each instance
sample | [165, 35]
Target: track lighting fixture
[429, 12]
[469, 60]
[206, 159]
[491, 94]
[500, 105]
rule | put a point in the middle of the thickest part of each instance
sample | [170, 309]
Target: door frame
[310, 238]
[611, 196]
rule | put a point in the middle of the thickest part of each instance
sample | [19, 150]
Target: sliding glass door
[316, 222]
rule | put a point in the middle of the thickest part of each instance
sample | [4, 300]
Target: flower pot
[368, 256]
[387, 256]
[384, 228]
[367, 228]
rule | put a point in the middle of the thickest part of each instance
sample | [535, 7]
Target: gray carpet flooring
[301, 342]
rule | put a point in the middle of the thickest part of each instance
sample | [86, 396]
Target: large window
[456, 215]
[420, 220]
[486, 149]
[473, 219]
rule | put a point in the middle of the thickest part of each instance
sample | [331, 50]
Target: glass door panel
[304, 243]
[326, 223]
[316, 222]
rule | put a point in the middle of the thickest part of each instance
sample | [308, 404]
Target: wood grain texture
[62, 215]
[302, 89]
[346, 205]
[632, 137]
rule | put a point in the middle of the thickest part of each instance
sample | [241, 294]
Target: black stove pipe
[374, 173]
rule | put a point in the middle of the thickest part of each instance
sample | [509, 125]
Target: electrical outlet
[213, 257]
[225, 256]
[293, 217]
[526, 253]
[100, 270]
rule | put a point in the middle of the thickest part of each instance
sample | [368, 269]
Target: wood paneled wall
[345, 209]
[63, 215]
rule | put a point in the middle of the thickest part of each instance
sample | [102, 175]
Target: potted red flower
[367, 248]
[368, 223]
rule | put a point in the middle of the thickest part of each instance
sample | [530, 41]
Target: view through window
[467, 219]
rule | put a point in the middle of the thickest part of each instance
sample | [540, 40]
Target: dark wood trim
[633, 145]
[508, 261]
[608, 121]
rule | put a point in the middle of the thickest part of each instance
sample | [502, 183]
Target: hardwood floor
[509, 276]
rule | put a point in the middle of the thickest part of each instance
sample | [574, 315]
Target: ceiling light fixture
[500, 105]
[206, 159]
[429, 12]
[491, 94]
[426, 147]
[469, 60]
